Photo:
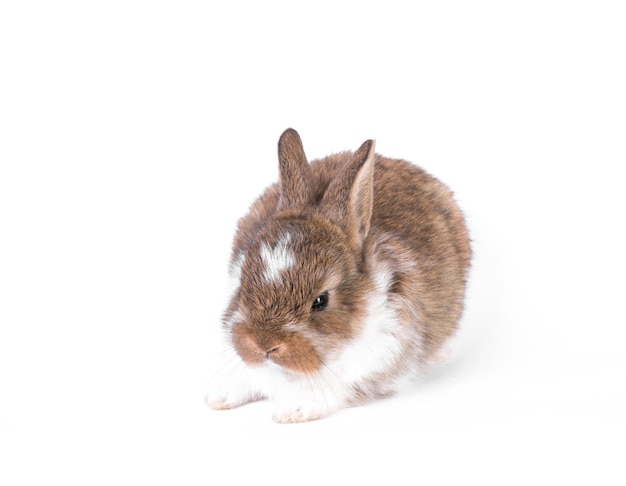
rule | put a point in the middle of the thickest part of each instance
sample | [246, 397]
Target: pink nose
[253, 348]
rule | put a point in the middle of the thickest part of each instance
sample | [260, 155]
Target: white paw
[225, 400]
[231, 387]
[301, 412]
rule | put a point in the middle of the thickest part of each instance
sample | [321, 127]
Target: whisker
[228, 362]
[330, 386]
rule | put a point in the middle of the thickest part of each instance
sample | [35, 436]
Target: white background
[134, 134]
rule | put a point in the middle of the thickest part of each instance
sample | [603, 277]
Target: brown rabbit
[349, 277]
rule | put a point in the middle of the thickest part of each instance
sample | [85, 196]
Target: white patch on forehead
[277, 258]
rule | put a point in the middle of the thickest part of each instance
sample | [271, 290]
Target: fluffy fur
[384, 247]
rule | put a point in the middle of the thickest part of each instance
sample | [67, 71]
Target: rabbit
[348, 279]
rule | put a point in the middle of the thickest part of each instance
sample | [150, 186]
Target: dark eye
[320, 302]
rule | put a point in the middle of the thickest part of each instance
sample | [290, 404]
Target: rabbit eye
[320, 302]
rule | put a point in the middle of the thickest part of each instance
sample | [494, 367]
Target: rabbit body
[348, 279]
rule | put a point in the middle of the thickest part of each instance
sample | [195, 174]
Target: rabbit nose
[271, 351]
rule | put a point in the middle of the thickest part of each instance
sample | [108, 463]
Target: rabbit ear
[349, 199]
[296, 179]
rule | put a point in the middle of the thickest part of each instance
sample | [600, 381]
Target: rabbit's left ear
[296, 179]
[349, 198]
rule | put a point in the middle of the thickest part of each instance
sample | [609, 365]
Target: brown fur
[347, 213]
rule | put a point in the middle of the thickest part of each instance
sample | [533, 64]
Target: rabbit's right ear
[349, 199]
[296, 179]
